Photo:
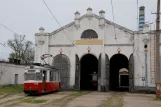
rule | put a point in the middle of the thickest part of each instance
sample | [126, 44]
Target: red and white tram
[41, 79]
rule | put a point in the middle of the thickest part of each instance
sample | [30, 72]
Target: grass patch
[18, 101]
[10, 89]
[157, 99]
[34, 101]
[116, 100]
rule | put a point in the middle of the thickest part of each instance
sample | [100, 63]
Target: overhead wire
[60, 25]
[114, 26]
[113, 19]
[16, 34]
[2, 45]
[57, 22]
[137, 14]
[1, 38]
[8, 28]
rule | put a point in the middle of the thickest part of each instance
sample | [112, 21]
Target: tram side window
[38, 76]
[51, 75]
[54, 76]
[57, 78]
[44, 73]
[30, 76]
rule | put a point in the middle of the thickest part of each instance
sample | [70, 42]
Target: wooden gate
[131, 73]
[62, 62]
[77, 73]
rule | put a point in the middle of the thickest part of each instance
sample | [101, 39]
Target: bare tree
[23, 50]
[17, 44]
[2, 69]
[28, 53]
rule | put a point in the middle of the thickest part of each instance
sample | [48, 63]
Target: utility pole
[158, 73]
[157, 42]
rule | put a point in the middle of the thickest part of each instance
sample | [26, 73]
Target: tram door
[44, 81]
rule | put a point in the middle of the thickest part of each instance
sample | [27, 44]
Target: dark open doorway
[118, 82]
[89, 66]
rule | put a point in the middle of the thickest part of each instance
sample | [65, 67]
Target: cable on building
[60, 25]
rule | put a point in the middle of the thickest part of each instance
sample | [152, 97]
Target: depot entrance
[119, 75]
[88, 74]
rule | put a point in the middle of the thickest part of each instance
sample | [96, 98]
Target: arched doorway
[62, 62]
[89, 68]
[119, 82]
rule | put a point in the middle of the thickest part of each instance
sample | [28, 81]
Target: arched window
[89, 34]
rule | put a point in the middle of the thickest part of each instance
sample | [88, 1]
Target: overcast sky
[27, 16]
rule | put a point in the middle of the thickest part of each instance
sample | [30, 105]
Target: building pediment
[94, 16]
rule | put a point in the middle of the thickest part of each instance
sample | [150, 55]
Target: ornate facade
[91, 44]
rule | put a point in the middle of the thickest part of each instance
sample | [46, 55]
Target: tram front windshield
[33, 76]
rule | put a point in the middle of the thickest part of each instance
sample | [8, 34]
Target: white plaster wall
[68, 51]
[41, 49]
[125, 50]
[71, 52]
[61, 37]
[139, 61]
[85, 24]
[123, 37]
[9, 75]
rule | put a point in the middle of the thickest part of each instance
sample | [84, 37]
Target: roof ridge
[83, 16]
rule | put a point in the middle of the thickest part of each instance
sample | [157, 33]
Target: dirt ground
[80, 99]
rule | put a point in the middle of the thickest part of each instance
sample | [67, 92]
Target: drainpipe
[146, 74]
[103, 70]
[146, 41]
[103, 66]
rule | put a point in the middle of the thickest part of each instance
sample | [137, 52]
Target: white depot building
[93, 53]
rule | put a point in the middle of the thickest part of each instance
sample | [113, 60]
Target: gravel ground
[81, 99]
